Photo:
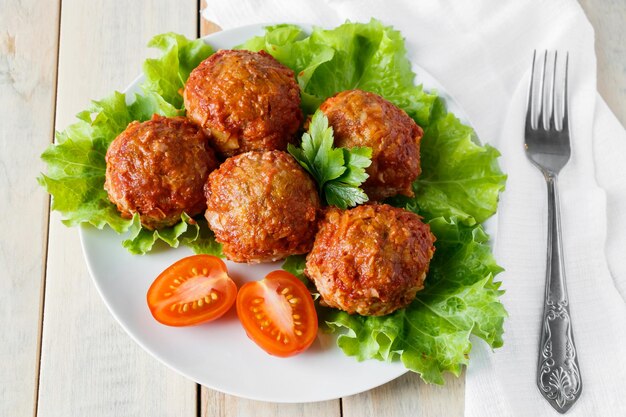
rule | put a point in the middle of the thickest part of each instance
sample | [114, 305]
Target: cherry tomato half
[193, 290]
[278, 314]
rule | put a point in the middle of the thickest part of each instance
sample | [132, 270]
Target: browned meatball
[246, 101]
[360, 118]
[370, 260]
[158, 169]
[262, 207]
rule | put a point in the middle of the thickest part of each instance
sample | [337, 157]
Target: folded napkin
[481, 53]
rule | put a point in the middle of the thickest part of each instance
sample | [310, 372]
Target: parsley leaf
[338, 171]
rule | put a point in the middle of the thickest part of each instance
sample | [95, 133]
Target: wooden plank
[607, 18]
[408, 396]
[89, 366]
[27, 89]
[215, 403]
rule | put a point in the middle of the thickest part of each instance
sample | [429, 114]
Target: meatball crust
[361, 118]
[245, 101]
[158, 169]
[262, 207]
[370, 260]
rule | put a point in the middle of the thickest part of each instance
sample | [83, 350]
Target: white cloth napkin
[481, 53]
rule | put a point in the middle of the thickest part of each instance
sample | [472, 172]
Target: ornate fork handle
[558, 374]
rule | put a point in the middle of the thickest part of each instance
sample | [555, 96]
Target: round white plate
[219, 355]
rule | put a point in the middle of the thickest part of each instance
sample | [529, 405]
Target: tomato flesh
[194, 290]
[278, 314]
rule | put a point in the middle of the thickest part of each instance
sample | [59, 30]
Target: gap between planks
[46, 233]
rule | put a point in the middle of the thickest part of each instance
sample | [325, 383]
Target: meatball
[262, 207]
[245, 101]
[370, 260]
[158, 169]
[360, 118]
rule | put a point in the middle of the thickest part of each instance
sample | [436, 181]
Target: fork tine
[551, 113]
[541, 92]
[565, 118]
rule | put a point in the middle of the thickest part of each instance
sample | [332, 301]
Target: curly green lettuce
[76, 162]
[460, 178]
[166, 75]
[368, 56]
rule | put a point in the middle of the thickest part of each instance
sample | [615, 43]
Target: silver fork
[548, 148]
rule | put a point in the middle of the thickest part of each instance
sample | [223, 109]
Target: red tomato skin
[201, 306]
[304, 310]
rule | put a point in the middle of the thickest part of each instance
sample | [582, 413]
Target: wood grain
[408, 396]
[89, 366]
[216, 404]
[27, 89]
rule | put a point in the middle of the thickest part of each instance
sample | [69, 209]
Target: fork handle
[558, 374]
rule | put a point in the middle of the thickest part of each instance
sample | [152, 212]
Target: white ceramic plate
[219, 355]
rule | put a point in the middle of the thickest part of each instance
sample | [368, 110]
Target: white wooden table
[61, 352]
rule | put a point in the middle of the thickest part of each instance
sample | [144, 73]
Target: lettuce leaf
[167, 74]
[76, 162]
[295, 264]
[431, 336]
[204, 241]
[460, 178]
[368, 56]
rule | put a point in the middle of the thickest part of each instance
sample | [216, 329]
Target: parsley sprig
[339, 172]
